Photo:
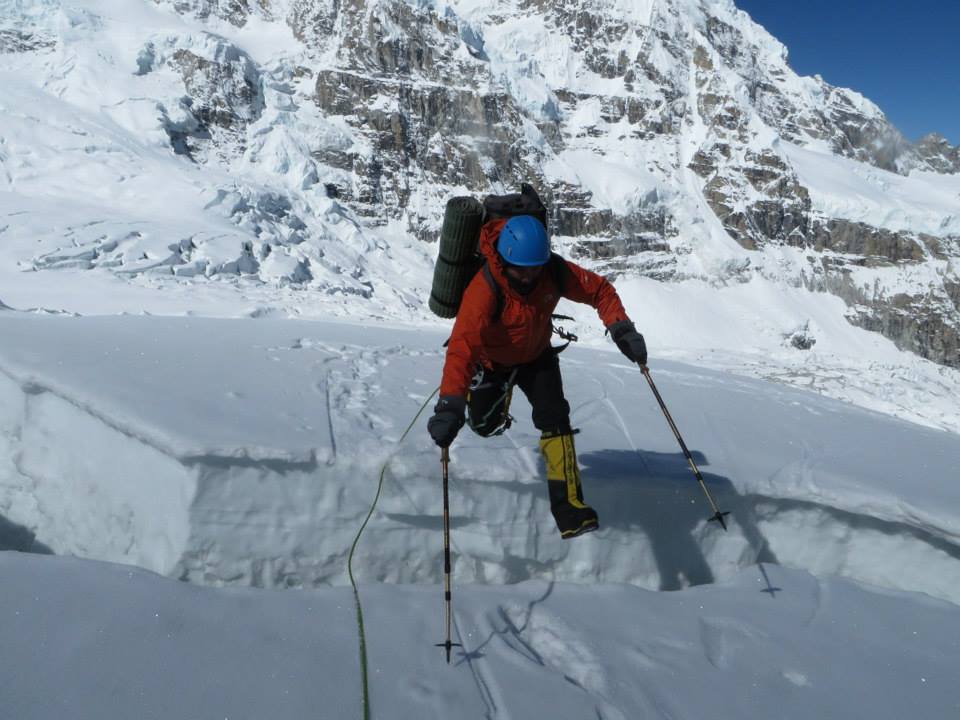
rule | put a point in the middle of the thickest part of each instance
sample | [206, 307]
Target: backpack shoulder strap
[557, 268]
[496, 290]
[559, 271]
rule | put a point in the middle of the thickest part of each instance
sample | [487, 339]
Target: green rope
[364, 684]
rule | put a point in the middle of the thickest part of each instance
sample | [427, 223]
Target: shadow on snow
[658, 495]
[19, 538]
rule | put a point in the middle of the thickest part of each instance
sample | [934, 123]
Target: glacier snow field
[242, 455]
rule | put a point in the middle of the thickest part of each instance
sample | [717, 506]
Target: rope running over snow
[364, 683]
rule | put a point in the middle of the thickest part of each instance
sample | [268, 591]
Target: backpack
[459, 259]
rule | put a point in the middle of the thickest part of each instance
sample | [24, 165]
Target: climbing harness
[479, 382]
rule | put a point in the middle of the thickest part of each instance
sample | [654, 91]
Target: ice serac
[224, 93]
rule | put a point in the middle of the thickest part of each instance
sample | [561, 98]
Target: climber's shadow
[657, 494]
[19, 538]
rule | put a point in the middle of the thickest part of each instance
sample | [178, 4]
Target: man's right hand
[448, 417]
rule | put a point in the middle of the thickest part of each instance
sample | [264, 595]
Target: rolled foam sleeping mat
[457, 260]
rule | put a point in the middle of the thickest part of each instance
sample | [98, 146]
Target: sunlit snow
[175, 406]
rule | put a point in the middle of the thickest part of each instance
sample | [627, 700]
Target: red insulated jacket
[523, 329]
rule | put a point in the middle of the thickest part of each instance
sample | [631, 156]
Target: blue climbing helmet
[523, 241]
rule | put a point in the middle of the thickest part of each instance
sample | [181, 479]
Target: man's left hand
[629, 341]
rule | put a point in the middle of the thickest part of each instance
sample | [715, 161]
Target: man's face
[523, 279]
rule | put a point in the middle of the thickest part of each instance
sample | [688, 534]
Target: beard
[522, 287]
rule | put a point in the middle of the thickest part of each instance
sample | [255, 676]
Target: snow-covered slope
[106, 641]
[129, 439]
[247, 452]
[230, 165]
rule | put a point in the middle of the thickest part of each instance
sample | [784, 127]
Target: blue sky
[902, 55]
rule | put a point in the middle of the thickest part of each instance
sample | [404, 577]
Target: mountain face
[669, 138]
[694, 93]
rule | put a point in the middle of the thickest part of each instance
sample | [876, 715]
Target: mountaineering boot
[573, 516]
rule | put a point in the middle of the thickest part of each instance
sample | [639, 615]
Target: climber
[501, 339]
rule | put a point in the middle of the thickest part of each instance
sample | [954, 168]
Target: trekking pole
[447, 594]
[717, 515]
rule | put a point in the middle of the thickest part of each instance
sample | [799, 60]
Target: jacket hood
[489, 234]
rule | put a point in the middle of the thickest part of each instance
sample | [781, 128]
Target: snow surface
[922, 202]
[108, 641]
[246, 452]
[160, 409]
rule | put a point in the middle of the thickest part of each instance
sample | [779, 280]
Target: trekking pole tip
[448, 646]
[719, 518]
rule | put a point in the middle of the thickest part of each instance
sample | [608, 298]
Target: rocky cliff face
[938, 155]
[223, 95]
[653, 129]
[688, 87]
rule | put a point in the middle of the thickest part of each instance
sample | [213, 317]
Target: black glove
[447, 419]
[629, 341]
